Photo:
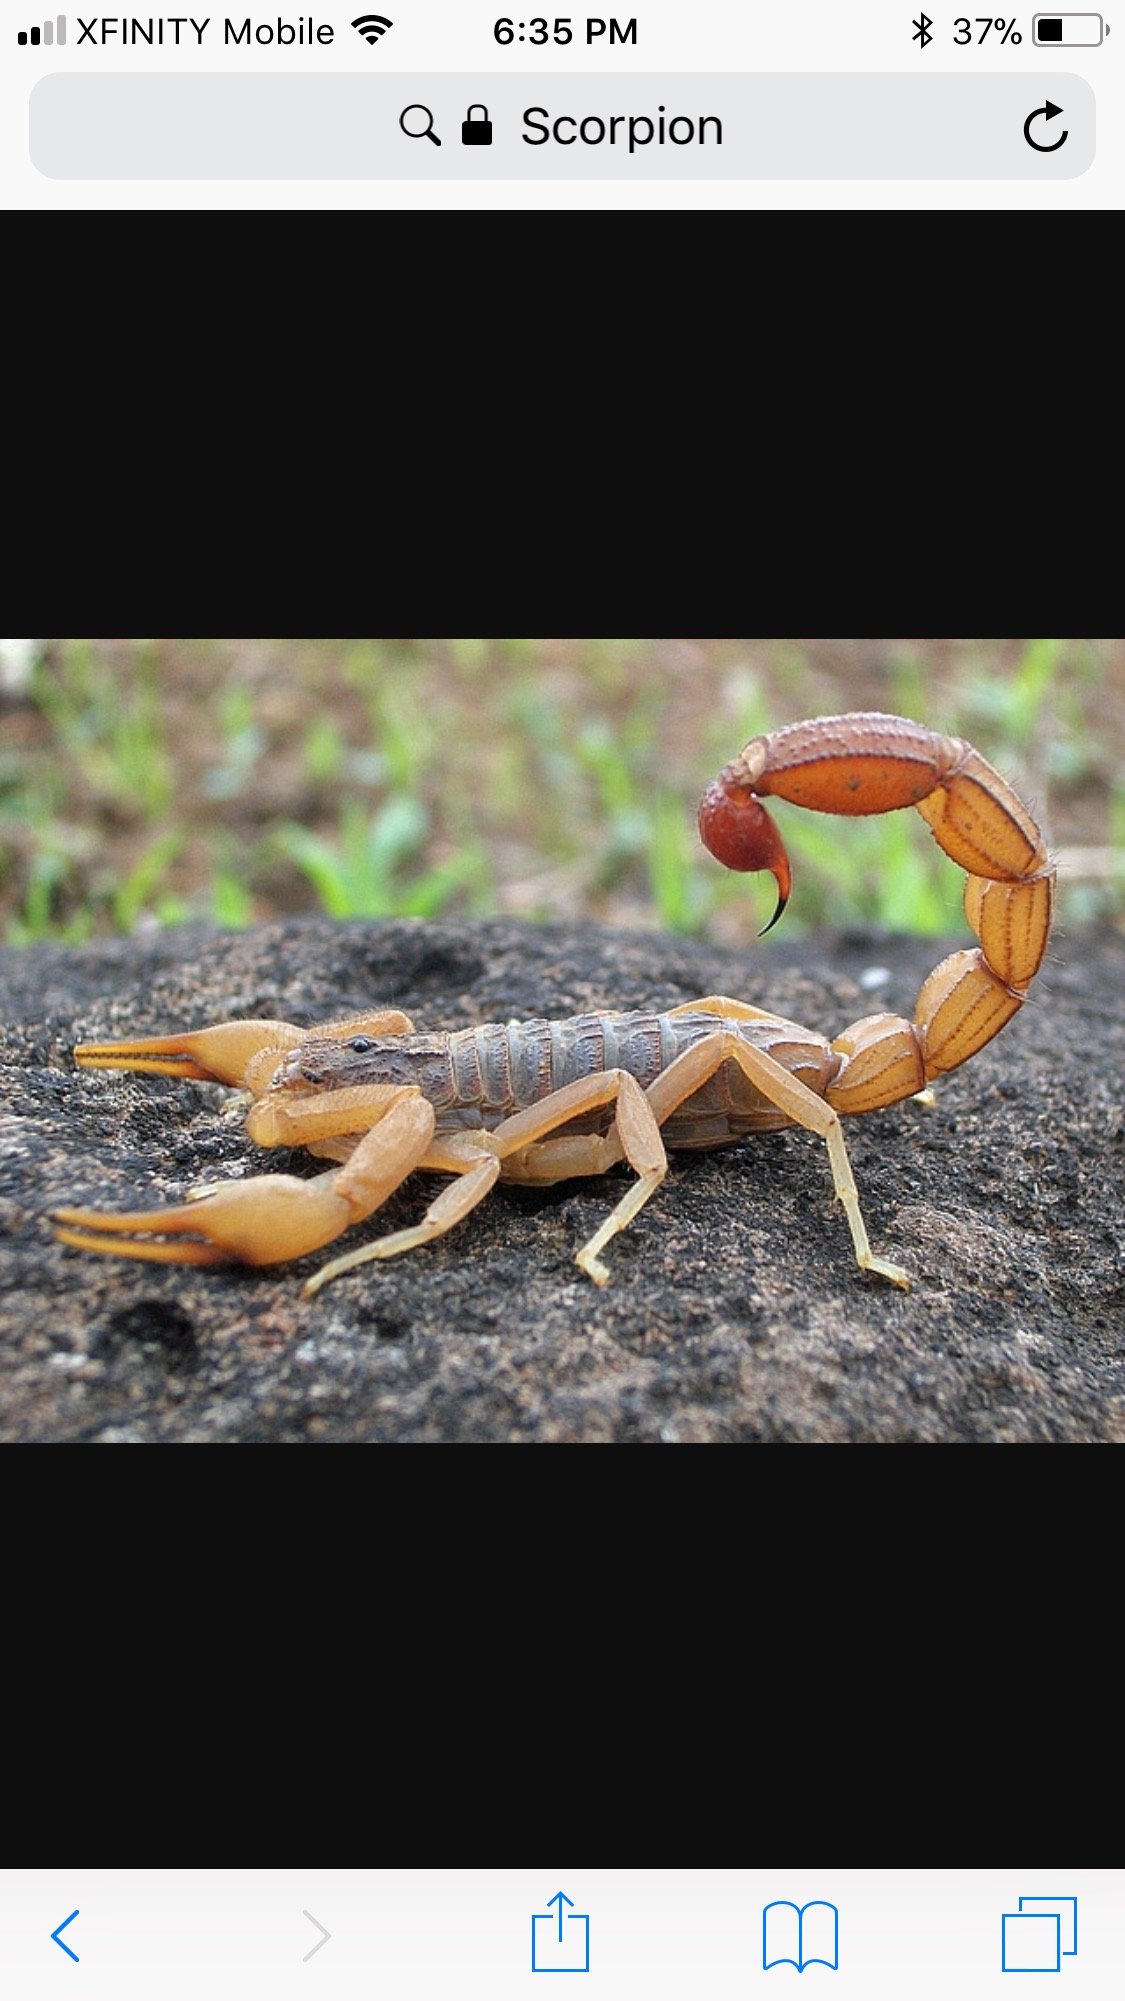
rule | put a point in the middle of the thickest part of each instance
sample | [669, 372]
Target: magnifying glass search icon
[416, 131]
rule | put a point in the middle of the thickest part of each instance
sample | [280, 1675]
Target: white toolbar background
[465, 1935]
[456, 35]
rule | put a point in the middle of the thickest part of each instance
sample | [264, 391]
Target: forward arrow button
[323, 1940]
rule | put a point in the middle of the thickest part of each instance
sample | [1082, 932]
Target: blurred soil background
[152, 782]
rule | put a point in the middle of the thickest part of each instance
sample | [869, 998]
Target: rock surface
[735, 1311]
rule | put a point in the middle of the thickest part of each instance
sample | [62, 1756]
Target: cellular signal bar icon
[50, 33]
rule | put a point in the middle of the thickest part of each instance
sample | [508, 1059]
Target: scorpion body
[540, 1101]
[475, 1078]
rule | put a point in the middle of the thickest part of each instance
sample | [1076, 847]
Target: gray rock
[735, 1310]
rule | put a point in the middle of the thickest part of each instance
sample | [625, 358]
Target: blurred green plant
[365, 872]
[402, 729]
[243, 744]
[1013, 705]
[47, 871]
[685, 898]
[58, 857]
[324, 750]
[232, 906]
[886, 871]
[138, 891]
[110, 722]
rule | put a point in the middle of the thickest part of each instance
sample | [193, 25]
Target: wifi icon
[372, 26]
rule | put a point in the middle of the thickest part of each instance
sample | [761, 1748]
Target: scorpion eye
[361, 1044]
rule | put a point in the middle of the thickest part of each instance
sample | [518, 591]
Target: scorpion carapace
[542, 1101]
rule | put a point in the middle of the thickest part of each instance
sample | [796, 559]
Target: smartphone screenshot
[490, 104]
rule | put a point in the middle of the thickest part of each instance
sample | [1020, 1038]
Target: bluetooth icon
[923, 26]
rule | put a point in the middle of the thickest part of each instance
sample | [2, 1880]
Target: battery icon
[1067, 31]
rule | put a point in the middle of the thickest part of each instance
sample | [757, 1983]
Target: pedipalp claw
[264, 1220]
[219, 1055]
[187, 1253]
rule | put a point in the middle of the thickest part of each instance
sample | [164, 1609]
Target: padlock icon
[477, 131]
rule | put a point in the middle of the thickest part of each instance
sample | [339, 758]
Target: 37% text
[1006, 31]
[976, 30]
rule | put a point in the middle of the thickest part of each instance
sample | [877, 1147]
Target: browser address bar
[636, 126]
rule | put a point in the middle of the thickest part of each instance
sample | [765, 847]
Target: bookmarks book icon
[801, 1935]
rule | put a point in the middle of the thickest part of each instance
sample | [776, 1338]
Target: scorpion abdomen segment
[502, 1068]
[976, 818]
[863, 763]
[961, 1006]
[1013, 922]
[586, 1043]
[496, 1069]
[883, 1062]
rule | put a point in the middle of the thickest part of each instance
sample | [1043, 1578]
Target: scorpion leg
[635, 1135]
[477, 1173]
[692, 1070]
[733, 1010]
[272, 1217]
[521, 1149]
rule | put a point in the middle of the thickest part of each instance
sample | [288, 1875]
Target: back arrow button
[62, 1941]
[320, 1941]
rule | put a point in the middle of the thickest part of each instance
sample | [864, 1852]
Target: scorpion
[542, 1101]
